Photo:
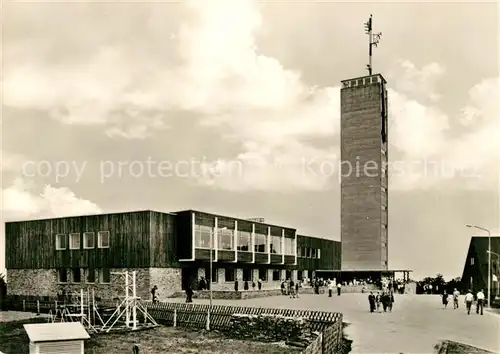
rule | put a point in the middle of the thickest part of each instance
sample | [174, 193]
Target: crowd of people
[470, 298]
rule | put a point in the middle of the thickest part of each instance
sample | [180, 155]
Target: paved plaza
[417, 322]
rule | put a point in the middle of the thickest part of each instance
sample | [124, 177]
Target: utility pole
[373, 40]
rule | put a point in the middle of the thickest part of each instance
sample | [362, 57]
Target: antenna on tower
[373, 40]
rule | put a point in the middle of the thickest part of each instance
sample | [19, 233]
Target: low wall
[240, 295]
[329, 341]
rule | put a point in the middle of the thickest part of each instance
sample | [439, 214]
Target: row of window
[73, 240]
[225, 241]
[91, 275]
[307, 252]
[230, 275]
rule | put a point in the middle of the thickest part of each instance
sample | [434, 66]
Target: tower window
[472, 261]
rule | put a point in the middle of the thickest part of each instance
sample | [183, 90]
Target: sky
[233, 107]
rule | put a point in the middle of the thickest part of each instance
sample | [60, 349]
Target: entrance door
[188, 277]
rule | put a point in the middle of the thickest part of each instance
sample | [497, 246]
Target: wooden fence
[195, 315]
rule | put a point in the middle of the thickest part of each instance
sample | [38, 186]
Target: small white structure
[64, 338]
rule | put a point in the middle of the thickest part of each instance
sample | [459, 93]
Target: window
[260, 243]
[299, 252]
[276, 244]
[309, 253]
[88, 240]
[202, 236]
[74, 241]
[244, 241]
[276, 275]
[289, 246]
[304, 252]
[104, 276]
[263, 274]
[472, 261]
[76, 274]
[225, 238]
[63, 276]
[299, 275]
[103, 239]
[319, 253]
[247, 274]
[288, 274]
[215, 274]
[229, 274]
[61, 241]
[314, 253]
[90, 275]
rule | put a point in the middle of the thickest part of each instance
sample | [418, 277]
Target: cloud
[211, 67]
[20, 201]
[277, 118]
[420, 82]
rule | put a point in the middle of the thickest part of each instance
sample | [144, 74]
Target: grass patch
[14, 340]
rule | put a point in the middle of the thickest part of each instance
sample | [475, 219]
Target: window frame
[276, 271]
[101, 276]
[201, 229]
[240, 234]
[89, 271]
[66, 241]
[85, 234]
[250, 277]
[264, 270]
[61, 271]
[99, 239]
[73, 272]
[233, 272]
[71, 246]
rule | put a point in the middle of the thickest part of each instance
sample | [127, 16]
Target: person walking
[371, 301]
[468, 300]
[445, 299]
[377, 301]
[339, 289]
[189, 294]
[456, 293]
[391, 301]
[480, 302]
[297, 286]
[153, 294]
[330, 289]
[292, 289]
[259, 284]
[385, 299]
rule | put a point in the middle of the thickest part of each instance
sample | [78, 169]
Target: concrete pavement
[416, 324]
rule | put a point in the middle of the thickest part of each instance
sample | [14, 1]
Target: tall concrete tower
[364, 196]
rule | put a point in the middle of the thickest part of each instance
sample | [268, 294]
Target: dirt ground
[13, 340]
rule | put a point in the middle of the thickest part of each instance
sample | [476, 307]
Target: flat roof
[365, 76]
[55, 332]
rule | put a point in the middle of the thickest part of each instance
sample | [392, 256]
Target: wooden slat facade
[146, 239]
[164, 240]
[330, 257]
[32, 244]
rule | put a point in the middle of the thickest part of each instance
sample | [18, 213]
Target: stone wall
[32, 282]
[315, 347]
[168, 281]
[240, 295]
[44, 282]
